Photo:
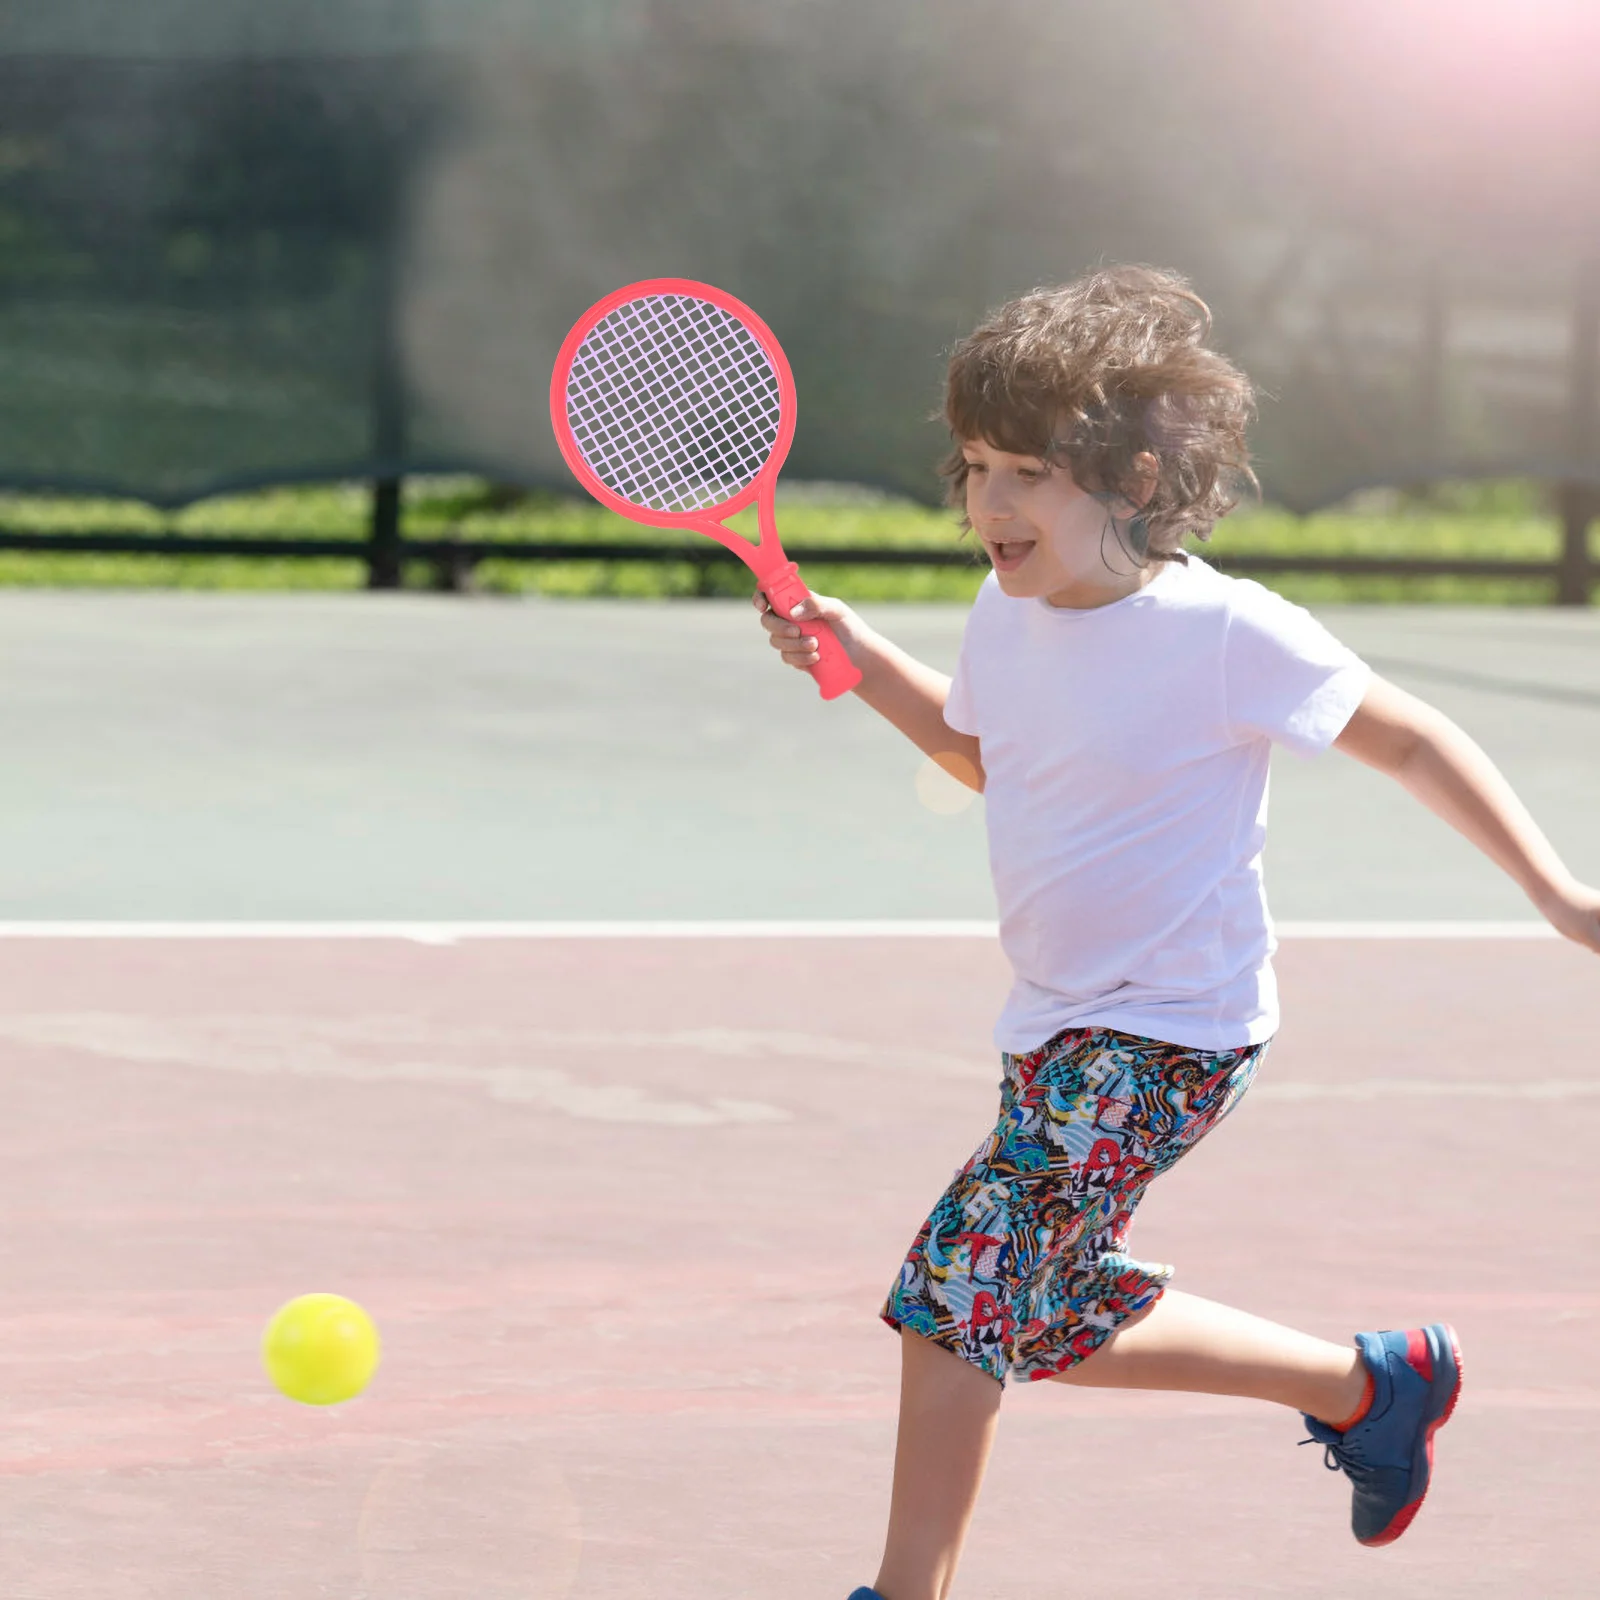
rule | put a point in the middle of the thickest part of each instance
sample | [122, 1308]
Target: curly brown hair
[1090, 374]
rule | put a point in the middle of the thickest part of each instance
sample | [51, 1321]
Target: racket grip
[835, 673]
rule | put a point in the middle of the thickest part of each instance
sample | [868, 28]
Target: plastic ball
[320, 1349]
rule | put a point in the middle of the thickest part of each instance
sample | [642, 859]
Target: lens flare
[943, 784]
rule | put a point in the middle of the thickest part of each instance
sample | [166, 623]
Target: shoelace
[1338, 1456]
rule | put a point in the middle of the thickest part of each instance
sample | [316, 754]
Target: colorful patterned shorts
[1020, 1267]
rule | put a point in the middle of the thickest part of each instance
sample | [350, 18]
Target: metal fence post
[383, 544]
[389, 421]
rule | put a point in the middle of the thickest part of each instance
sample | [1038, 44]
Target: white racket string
[673, 403]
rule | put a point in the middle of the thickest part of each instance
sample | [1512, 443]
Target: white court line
[457, 932]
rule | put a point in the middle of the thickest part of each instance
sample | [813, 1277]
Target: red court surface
[624, 1212]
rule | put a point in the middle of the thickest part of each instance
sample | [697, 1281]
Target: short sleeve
[1285, 676]
[958, 703]
[959, 711]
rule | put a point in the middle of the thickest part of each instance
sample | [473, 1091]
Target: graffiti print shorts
[1020, 1268]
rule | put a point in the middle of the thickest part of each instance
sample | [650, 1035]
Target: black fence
[386, 551]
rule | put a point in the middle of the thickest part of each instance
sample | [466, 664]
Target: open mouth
[1009, 555]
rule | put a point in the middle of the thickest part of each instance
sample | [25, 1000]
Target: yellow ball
[320, 1349]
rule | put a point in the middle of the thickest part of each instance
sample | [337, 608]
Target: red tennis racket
[674, 404]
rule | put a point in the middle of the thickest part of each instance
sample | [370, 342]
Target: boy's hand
[799, 649]
[1575, 914]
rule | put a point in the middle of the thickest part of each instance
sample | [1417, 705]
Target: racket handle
[835, 672]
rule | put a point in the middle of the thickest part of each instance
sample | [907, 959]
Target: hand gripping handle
[835, 673]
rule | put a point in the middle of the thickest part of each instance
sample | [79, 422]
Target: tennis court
[623, 1202]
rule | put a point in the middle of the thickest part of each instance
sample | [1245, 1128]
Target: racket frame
[778, 577]
[708, 519]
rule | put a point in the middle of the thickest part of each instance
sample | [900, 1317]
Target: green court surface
[193, 756]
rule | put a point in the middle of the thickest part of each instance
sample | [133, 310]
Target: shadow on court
[624, 1212]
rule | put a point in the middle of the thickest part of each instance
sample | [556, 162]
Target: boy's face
[1044, 535]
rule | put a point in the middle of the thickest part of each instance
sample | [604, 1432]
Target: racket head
[673, 403]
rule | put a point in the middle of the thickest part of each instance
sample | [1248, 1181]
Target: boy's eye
[1026, 474]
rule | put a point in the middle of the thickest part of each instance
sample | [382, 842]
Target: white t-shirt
[1126, 750]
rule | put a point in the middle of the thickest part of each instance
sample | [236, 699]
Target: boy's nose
[992, 505]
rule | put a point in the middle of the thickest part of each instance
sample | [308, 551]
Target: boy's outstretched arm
[1449, 773]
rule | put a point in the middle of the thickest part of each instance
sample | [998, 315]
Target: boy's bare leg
[948, 1413]
[1184, 1342]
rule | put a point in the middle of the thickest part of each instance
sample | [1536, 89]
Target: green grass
[1490, 521]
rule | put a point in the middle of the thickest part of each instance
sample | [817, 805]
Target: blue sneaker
[865, 1594]
[1388, 1454]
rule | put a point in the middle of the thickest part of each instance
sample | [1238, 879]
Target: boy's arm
[912, 696]
[1433, 759]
